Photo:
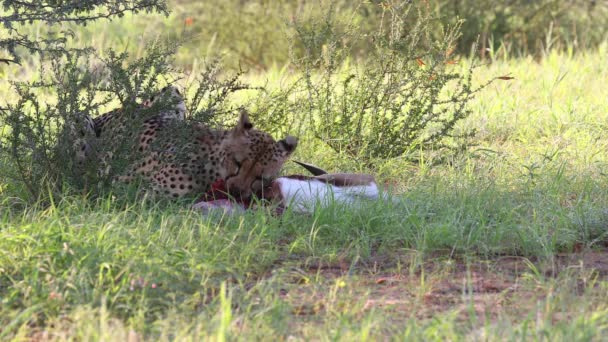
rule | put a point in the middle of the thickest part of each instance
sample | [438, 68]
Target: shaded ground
[478, 291]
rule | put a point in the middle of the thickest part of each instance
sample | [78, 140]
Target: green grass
[101, 271]
[505, 242]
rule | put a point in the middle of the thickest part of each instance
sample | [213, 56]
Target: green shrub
[42, 116]
[522, 27]
[17, 15]
[43, 129]
[407, 94]
[251, 33]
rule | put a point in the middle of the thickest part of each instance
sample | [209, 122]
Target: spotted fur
[246, 158]
[112, 126]
[168, 94]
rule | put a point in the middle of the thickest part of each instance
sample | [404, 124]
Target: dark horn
[315, 171]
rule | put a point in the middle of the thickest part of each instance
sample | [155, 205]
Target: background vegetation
[516, 28]
[505, 239]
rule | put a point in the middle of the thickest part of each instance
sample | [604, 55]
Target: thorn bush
[43, 129]
[408, 93]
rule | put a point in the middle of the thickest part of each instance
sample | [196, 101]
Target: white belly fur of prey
[304, 195]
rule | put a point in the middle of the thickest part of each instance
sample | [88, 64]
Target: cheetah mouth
[219, 191]
[238, 195]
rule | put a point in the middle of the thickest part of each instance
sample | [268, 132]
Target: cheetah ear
[288, 145]
[244, 124]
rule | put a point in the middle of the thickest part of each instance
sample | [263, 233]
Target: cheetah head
[252, 158]
[173, 100]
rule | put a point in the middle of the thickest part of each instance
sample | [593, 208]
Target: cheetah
[179, 157]
[246, 159]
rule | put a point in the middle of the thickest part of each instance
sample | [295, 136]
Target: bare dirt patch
[486, 290]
